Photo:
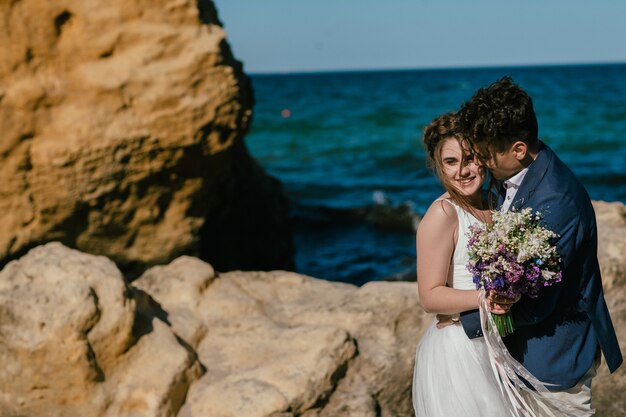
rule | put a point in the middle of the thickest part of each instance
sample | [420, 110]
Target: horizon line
[433, 68]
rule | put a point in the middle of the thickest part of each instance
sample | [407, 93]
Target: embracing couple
[560, 335]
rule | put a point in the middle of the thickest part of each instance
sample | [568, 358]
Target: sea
[347, 148]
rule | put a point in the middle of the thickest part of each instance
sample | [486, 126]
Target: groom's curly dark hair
[497, 116]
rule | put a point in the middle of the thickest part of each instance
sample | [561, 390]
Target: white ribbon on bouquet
[525, 402]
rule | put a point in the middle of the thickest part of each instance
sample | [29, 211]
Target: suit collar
[516, 180]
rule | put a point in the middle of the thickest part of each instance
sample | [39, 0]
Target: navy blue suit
[557, 335]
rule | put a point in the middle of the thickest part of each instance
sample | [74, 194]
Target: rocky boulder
[75, 342]
[185, 341]
[608, 390]
[122, 128]
[611, 218]
[279, 343]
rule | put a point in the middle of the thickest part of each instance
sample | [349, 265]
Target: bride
[452, 375]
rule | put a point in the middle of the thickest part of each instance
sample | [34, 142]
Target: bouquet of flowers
[513, 256]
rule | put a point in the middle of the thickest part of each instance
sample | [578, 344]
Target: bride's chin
[465, 192]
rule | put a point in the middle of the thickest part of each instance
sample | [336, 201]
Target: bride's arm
[436, 238]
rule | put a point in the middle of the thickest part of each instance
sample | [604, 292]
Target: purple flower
[476, 280]
[498, 283]
[533, 273]
[515, 272]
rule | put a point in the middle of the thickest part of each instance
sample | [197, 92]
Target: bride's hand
[499, 304]
[445, 320]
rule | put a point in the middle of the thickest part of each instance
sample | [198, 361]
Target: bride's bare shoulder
[441, 206]
[440, 215]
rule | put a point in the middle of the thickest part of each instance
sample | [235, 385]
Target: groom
[559, 336]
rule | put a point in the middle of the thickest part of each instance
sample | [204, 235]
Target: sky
[324, 35]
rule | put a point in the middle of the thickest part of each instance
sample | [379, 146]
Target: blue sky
[294, 35]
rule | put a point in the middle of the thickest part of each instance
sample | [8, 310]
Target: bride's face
[461, 168]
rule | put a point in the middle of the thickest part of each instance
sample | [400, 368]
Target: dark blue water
[350, 158]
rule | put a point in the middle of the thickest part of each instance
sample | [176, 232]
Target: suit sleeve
[470, 320]
[566, 222]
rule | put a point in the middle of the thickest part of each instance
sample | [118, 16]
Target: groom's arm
[566, 222]
[470, 320]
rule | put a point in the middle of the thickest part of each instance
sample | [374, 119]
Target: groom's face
[503, 165]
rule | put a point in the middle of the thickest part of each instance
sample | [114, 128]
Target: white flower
[522, 256]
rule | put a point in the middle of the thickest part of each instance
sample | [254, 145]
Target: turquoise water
[350, 158]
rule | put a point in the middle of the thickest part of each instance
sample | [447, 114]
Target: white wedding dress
[453, 376]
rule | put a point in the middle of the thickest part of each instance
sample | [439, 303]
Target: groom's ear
[520, 150]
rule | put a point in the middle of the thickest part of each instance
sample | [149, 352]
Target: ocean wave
[381, 214]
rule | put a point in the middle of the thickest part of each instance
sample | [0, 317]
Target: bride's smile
[466, 181]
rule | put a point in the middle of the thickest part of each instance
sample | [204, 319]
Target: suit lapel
[501, 195]
[536, 171]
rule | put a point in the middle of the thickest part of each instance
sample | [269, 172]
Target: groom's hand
[445, 320]
[499, 304]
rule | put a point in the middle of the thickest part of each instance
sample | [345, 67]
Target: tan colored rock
[283, 344]
[179, 288]
[122, 134]
[155, 377]
[252, 362]
[75, 343]
[611, 218]
[184, 341]
[608, 390]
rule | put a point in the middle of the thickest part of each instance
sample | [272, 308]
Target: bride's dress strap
[452, 203]
[448, 199]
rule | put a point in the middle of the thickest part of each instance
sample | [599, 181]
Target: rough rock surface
[74, 342]
[608, 390]
[280, 343]
[262, 361]
[184, 341]
[611, 218]
[121, 134]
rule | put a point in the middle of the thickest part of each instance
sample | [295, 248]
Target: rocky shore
[122, 135]
[78, 340]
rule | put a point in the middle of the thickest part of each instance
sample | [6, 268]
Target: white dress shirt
[511, 186]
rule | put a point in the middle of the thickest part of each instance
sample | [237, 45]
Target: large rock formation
[121, 134]
[611, 218]
[74, 342]
[184, 341]
[608, 390]
[283, 344]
